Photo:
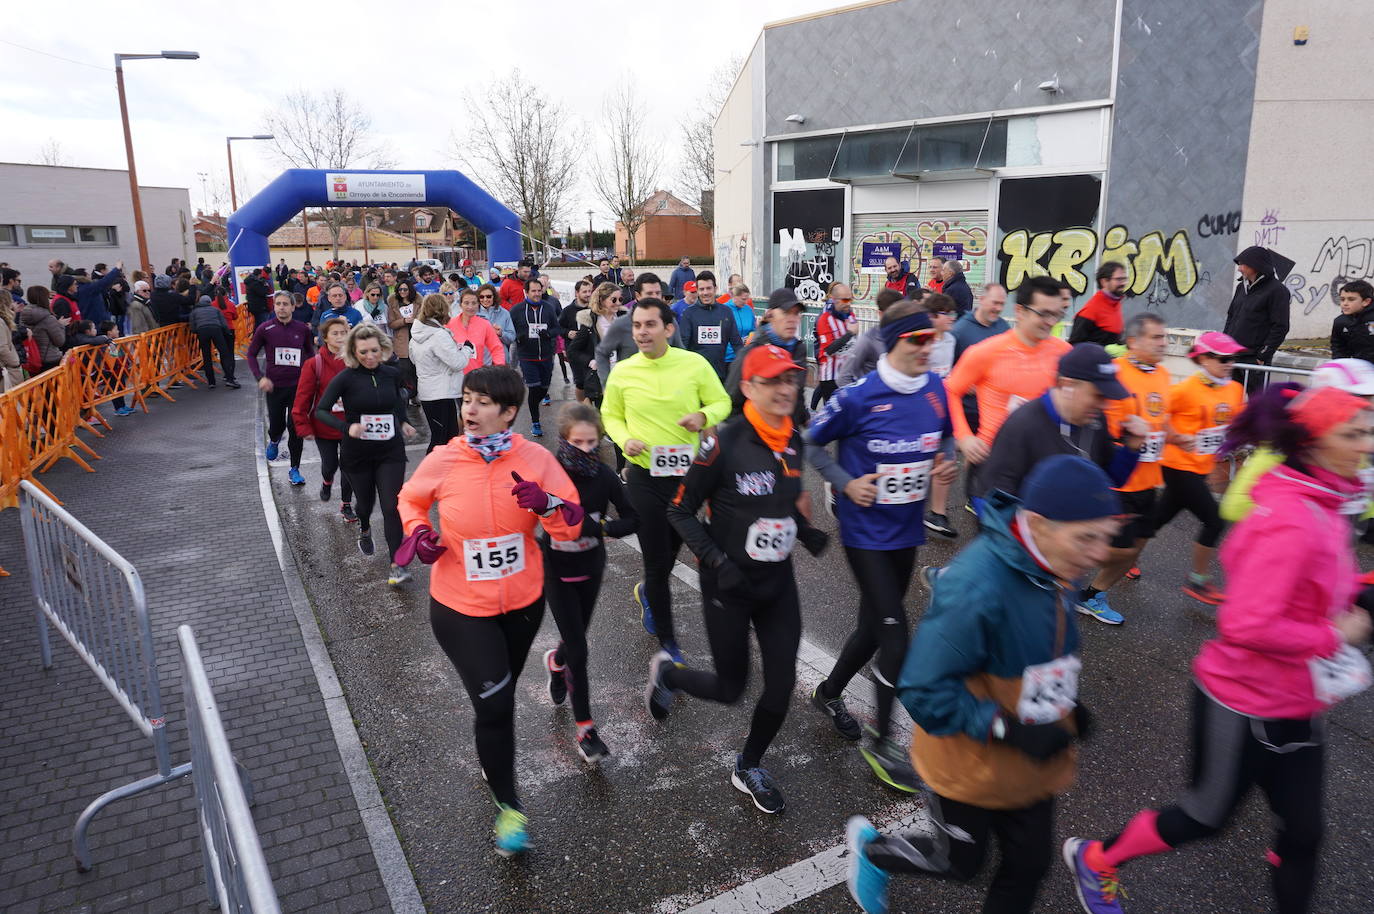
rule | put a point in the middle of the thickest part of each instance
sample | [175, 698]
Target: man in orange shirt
[1148, 385]
[1200, 409]
[1009, 369]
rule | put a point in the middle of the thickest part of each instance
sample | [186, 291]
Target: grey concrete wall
[915, 58]
[1185, 91]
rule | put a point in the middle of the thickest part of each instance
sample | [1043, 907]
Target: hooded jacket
[169, 307]
[1289, 570]
[708, 329]
[1258, 315]
[439, 361]
[206, 318]
[999, 636]
[486, 342]
[316, 373]
[536, 330]
[47, 332]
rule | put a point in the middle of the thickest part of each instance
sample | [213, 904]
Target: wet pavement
[658, 828]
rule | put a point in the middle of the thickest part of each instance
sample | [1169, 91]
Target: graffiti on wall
[1341, 260]
[1269, 231]
[1219, 224]
[1063, 254]
[809, 258]
[918, 239]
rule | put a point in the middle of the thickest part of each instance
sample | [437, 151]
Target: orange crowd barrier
[106, 373]
[244, 325]
[169, 355]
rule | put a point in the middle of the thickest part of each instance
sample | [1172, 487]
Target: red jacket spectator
[228, 309]
[316, 374]
[512, 291]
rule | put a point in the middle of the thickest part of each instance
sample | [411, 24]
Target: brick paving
[176, 494]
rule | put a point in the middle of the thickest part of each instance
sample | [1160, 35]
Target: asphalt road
[658, 828]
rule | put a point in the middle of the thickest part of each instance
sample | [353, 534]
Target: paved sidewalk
[176, 494]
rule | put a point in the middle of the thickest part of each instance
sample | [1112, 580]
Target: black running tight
[771, 606]
[378, 483]
[537, 395]
[572, 603]
[279, 403]
[883, 577]
[658, 541]
[329, 465]
[489, 652]
[442, 417]
[1183, 489]
[823, 392]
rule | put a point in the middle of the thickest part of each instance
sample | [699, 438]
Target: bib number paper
[494, 559]
[378, 426]
[407, 311]
[291, 358]
[1357, 505]
[1049, 691]
[770, 539]
[1208, 440]
[903, 483]
[536, 329]
[1339, 676]
[1154, 447]
[708, 336]
[670, 459]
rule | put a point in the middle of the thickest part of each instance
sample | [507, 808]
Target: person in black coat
[1352, 334]
[1258, 316]
[956, 286]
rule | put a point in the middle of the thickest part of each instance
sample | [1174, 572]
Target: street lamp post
[229, 150]
[591, 253]
[143, 258]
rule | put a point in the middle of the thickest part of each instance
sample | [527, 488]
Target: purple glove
[422, 542]
[529, 495]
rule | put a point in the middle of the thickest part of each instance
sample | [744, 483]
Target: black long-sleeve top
[366, 392]
[596, 494]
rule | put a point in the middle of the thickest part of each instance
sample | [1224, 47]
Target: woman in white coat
[439, 362]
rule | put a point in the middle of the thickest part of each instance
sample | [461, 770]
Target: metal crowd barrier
[1253, 377]
[94, 598]
[236, 875]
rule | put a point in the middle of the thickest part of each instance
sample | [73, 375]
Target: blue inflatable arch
[297, 188]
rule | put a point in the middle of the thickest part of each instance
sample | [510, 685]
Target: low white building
[83, 216]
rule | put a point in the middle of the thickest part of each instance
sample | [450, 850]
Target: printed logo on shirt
[1154, 404]
[935, 404]
[901, 446]
[1222, 414]
[881, 408]
[755, 483]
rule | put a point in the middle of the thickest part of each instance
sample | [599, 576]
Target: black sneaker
[938, 523]
[591, 748]
[844, 722]
[658, 698]
[232, 385]
[211, 385]
[890, 763]
[326, 488]
[346, 512]
[758, 783]
[365, 542]
[558, 683]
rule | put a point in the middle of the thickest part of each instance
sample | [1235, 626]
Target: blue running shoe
[759, 785]
[1100, 610]
[646, 615]
[867, 882]
[272, 450]
[536, 430]
[1097, 887]
[510, 831]
[674, 651]
[124, 411]
[294, 475]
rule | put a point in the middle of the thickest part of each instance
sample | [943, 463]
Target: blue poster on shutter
[949, 250]
[875, 252]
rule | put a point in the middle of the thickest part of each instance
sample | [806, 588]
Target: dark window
[800, 160]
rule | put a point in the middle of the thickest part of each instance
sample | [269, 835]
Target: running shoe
[1134, 573]
[365, 542]
[397, 576]
[273, 449]
[211, 385]
[939, 523]
[547, 401]
[889, 762]
[1203, 593]
[1097, 887]
[1100, 609]
[124, 411]
[658, 698]
[758, 783]
[839, 715]
[325, 489]
[232, 385]
[510, 831]
[346, 512]
[295, 477]
[675, 652]
[591, 748]
[929, 574]
[536, 430]
[867, 881]
[558, 683]
[646, 615]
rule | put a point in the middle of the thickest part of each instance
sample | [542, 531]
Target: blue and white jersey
[894, 435]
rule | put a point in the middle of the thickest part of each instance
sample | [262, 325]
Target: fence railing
[1252, 377]
[95, 600]
[236, 875]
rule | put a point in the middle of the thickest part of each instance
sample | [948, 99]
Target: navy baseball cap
[1090, 362]
[1066, 487]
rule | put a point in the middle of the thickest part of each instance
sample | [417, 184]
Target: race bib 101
[670, 459]
[903, 483]
[495, 558]
[378, 426]
[291, 358]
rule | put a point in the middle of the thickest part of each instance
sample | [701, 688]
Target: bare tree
[519, 144]
[627, 173]
[52, 153]
[328, 131]
[697, 169]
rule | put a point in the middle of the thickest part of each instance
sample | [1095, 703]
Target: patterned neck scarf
[490, 446]
[577, 461]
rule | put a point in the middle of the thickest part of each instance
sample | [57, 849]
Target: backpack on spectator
[33, 361]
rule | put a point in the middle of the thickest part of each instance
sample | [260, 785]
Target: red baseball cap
[768, 362]
[689, 286]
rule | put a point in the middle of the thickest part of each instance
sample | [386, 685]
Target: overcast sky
[407, 63]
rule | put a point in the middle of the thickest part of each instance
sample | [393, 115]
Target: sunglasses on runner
[844, 300]
[1225, 359]
[488, 296]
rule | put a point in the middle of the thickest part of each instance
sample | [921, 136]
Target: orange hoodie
[493, 564]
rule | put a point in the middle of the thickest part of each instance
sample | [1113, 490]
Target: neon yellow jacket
[1237, 504]
[645, 399]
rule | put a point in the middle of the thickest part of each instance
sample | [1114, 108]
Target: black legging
[212, 340]
[572, 603]
[1183, 489]
[537, 395]
[489, 653]
[824, 391]
[329, 465]
[279, 403]
[771, 605]
[658, 541]
[442, 416]
[378, 482]
[1025, 836]
[883, 577]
